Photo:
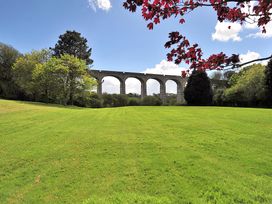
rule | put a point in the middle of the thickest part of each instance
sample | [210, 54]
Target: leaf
[150, 26]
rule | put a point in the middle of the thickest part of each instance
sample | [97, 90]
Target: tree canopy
[72, 43]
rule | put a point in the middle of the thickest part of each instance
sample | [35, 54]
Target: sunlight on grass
[55, 154]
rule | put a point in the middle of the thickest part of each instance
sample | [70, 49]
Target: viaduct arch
[143, 77]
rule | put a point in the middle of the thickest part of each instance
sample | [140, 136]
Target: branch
[238, 66]
[256, 60]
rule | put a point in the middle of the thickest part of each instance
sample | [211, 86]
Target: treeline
[118, 100]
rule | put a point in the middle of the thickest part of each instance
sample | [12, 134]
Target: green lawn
[53, 154]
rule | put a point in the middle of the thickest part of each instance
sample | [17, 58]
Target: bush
[151, 101]
[198, 90]
[114, 100]
[89, 100]
[134, 101]
[171, 99]
[120, 100]
[95, 101]
[107, 100]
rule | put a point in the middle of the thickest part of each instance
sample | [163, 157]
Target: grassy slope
[144, 154]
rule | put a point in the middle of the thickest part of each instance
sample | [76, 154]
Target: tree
[72, 43]
[50, 80]
[247, 87]
[8, 56]
[63, 80]
[198, 90]
[79, 79]
[154, 11]
[268, 83]
[23, 71]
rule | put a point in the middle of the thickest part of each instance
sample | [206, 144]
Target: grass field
[51, 154]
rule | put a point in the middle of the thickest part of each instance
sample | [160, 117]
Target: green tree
[23, 71]
[50, 80]
[247, 87]
[72, 43]
[268, 83]
[198, 90]
[8, 56]
[63, 80]
[79, 79]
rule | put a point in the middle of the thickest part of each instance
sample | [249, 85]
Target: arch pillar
[99, 86]
[163, 92]
[182, 84]
[180, 93]
[143, 89]
[122, 86]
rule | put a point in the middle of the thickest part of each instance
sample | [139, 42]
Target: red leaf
[181, 21]
[150, 26]
[183, 74]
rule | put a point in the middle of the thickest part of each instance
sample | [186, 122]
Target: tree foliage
[8, 56]
[114, 100]
[50, 79]
[152, 101]
[198, 90]
[23, 71]
[63, 79]
[241, 11]
[72, 43]
[247, 87]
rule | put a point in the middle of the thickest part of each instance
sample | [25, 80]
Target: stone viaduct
[143, 77]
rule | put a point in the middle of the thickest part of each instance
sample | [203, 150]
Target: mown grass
[53, 154]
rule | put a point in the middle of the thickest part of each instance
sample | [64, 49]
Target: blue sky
[120, 40]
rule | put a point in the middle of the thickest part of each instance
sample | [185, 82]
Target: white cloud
[225, 31]
[222, 33]
[101, 4]
[165, 67]
[112, 85]
[249, 56]
[259, 34]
